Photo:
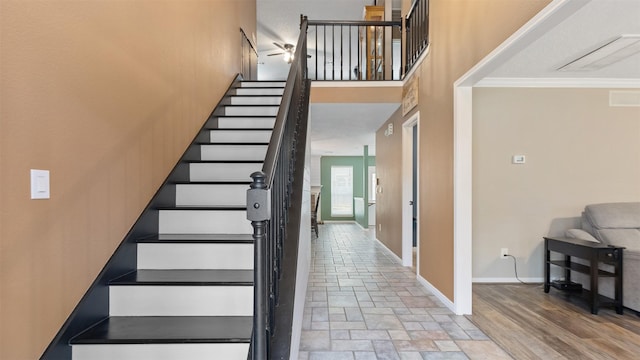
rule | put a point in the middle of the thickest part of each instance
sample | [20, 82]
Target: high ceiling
[340, 129]
[336, 129]
[591, 26]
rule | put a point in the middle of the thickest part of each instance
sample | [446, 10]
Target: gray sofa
[614, 224]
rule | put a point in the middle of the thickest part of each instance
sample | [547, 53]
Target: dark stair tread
[241, 129]
[167, 330]
[224, 161]
[187, 277]
[258, 87]
[225, 182]
[247, 116]
[266, 117]
[254, 95]
[253, 105]
[198, 238]
[237, 129]
[231, 143]
[205, 207]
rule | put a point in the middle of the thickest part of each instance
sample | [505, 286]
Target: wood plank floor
[529, 324]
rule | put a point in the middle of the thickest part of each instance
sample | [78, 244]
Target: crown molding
[559, 83]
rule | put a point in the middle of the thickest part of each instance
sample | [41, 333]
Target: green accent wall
[357, 162]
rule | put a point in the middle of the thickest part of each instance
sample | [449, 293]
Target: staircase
[191, 297]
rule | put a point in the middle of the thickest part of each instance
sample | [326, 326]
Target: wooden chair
[314, 214]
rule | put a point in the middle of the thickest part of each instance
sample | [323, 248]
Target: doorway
[410, 192]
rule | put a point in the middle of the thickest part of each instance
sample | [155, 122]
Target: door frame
[407, 191]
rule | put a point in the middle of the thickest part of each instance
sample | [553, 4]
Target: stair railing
[249, 64]
[355, 50]
[269, 200]
[416, 32]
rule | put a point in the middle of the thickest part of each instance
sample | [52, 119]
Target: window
[373, 184]
[341, 191]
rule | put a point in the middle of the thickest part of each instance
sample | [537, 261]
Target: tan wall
[462, 32]
[106, 95]
[334, 94]
[389, 173]
[578, 151]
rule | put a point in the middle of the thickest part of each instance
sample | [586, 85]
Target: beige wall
[351, 94]
[461, 32]
[388, 171]
[106, 95]
[578, 150]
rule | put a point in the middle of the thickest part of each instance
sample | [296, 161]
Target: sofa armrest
[580, 234]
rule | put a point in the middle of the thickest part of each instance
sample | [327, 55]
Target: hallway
[362, 305]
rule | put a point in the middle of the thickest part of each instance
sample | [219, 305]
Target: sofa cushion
[614, 215]
[628, 238]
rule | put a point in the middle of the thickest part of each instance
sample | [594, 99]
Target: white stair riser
[233, 152]
[251, 110]
[259, 91]
[155, 256]
[246, 123]
[239, 136]
[204, 222]
[134, 300]
[256, 100]
[222, 171]
[248, 84]
[160, 352]
[211, 195]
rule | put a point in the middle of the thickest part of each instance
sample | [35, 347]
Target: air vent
[611, 52]
[624, 98]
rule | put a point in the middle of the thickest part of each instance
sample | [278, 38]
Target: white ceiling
[343, 129]
[591, 26]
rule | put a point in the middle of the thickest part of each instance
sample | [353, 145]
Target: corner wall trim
[389, 252]
[553, 14]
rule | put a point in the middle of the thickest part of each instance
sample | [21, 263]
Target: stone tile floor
[363, 305]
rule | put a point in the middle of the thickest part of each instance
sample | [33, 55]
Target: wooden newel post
[259, 213]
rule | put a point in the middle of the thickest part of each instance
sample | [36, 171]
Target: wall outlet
[379, 227]
[504, 252]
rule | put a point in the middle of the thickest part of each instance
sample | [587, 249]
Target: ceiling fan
[287, 52]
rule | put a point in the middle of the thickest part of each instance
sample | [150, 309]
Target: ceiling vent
[613, 51]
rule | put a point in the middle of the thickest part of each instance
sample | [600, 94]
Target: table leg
[618, 292]
[547, 275]
[595, 297]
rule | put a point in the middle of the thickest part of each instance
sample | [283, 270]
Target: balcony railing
[354, 50]
[416, 32]
[367, 50]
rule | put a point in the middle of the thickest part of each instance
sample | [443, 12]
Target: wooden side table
[595, 253]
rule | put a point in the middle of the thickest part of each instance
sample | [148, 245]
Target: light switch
[518, 159]
[40, 184]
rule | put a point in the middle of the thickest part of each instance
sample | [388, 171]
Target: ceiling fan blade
[275, 54]
[279, 46]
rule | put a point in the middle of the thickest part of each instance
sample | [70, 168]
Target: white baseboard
[338, 221]
[507, 280]
[445, 300]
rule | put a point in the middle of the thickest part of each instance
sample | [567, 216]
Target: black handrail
[270, 201]
[249, 61]
[354, 50]
[416, 32]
